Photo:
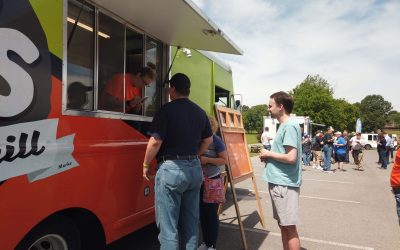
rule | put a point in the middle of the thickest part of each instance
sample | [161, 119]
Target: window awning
[174, 22]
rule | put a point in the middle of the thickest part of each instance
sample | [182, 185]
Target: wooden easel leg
[260, 212]
[238, 213]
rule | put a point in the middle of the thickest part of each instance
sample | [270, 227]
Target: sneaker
[203, 246]
[319, 168]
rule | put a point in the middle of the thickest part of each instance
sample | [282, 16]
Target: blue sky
[353, 44]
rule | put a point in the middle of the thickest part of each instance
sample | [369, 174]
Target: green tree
[346, 115]
[245, 108]
[394, 117]
[314, 98]
[374, 111]
[253, 118]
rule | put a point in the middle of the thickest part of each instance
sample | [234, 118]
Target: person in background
[180, 132]
[283, 170]
[388, 139]
[346, 137]
[211, 161]
[306, 148]
[327, 149]
[391, 147]
[382, 149]
[266, 139]
[357, 151]
[316, 150]
[340, 150]
[395, 182]
[377, 148]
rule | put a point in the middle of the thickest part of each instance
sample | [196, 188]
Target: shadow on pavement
[144, 239]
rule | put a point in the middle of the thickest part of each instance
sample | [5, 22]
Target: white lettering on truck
[20, 82]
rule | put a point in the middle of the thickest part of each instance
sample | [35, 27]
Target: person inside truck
[77, 95]
[112, 96]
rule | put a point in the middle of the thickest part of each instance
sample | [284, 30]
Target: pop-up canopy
[174, 22]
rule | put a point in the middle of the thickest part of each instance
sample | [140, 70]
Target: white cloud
[353, 44]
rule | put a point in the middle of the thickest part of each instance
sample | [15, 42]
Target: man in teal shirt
[283, 171]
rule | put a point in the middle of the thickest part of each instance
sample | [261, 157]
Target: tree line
[314, 98]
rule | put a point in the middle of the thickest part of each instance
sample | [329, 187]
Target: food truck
[71, 168]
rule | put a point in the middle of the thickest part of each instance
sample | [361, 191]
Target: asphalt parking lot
[343, 210]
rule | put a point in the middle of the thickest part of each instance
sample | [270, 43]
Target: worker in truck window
[112, 96]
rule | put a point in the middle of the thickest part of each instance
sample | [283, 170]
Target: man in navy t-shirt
[180, 132]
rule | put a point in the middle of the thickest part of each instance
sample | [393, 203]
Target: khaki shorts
[317, 155]
[285, 204]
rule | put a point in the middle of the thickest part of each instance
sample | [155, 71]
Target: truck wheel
[55, 233]
[367, 147]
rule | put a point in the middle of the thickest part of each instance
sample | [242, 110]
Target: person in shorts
[283, 170]
[316, 147]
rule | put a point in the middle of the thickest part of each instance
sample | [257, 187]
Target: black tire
[59, 228]
[367, 147]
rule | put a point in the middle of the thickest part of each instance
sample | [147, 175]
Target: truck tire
[57, 232]
[367, 147]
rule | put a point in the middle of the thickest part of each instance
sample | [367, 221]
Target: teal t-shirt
[280, 173]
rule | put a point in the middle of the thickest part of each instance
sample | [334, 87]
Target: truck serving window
[104, 56]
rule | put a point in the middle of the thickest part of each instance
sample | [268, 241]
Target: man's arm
[151, 151]
[290, 157]
[204, 145]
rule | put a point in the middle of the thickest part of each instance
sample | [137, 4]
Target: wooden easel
[239, 166]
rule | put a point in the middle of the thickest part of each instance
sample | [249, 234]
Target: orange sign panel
[237, 154]
[233, 132]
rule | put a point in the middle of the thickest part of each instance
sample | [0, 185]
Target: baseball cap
[78, 87]
[180, 81]
[338, 133]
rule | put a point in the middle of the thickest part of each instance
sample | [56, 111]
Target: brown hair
[285, 99]
[149, 71]
[213, 123]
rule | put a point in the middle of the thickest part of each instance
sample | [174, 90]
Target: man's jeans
[327, 152]
[306, 158]
[383, 153]
[177, 188]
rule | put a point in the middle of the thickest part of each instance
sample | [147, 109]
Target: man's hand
[203, 160]
[264, 154]
[146, 173]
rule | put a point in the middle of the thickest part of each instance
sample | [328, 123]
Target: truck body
[71, 169]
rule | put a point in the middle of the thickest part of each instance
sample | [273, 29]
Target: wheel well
[89, 226]
[91, 233]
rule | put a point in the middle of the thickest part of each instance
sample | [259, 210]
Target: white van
[369, 140]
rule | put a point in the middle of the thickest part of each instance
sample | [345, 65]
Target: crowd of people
[336, 147]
